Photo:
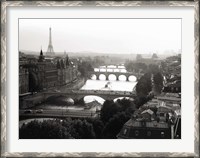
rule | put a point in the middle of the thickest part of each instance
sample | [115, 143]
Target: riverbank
[34, 99]
[75, 85]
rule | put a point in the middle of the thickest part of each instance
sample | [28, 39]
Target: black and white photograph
[100, 78]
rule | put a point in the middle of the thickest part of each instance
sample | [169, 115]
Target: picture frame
[5, 57]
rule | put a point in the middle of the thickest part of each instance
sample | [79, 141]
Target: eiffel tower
[50, 51]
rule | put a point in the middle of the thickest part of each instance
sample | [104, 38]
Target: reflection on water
[122, 78]
[112, 77]
[92, 98]
[120, 98]
[102, 77]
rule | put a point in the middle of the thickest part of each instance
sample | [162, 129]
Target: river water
[112, 84]
[109, 85]
[101, 84]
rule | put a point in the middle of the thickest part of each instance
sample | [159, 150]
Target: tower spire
[50, 46]
[50, 42]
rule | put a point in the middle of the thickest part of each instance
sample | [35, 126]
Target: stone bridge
[78, 94]
[117, 74]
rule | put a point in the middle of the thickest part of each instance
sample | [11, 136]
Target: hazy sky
[101, 35]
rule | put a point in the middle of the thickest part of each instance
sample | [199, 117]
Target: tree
[154, 56]
[108, 110]
[158, 79]
[158, 82]
[130, 66]
[153, 69]
[30, 130]
[144, 85]
[136, 66]
[57, 129]
[49, 129]
[138, 57]
[126, 106]
[114, 125]
[141, 66]
[84, 129]
[114, 115]
[85, 67]
[140, 100]
[98, 126]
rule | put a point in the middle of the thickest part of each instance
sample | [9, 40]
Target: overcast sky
[101, 35]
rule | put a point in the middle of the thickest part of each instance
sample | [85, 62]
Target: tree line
[113, 115]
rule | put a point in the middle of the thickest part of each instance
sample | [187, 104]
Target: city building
[50, 72]
[41, 74]
[140, 129]
[160, 118]
[67, 71]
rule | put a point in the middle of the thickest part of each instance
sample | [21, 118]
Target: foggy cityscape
[100, 79]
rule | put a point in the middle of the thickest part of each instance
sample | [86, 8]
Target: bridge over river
[78, 94]
[116, 74]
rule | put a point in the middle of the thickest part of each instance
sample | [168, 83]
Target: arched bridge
[117, 74]
[78, 94]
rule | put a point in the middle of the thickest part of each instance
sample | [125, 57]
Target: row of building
[171, 68]
[159, 118]
[38, 74]
[148, 59]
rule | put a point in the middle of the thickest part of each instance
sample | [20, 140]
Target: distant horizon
[93, 53]
[108, 36]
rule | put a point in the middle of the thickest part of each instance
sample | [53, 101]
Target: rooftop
[147, 124]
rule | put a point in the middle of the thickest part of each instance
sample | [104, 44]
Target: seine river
[109, 85]
[112, 85]
[121, 85]
[101, 84]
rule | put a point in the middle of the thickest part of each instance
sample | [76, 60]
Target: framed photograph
[100, 79]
